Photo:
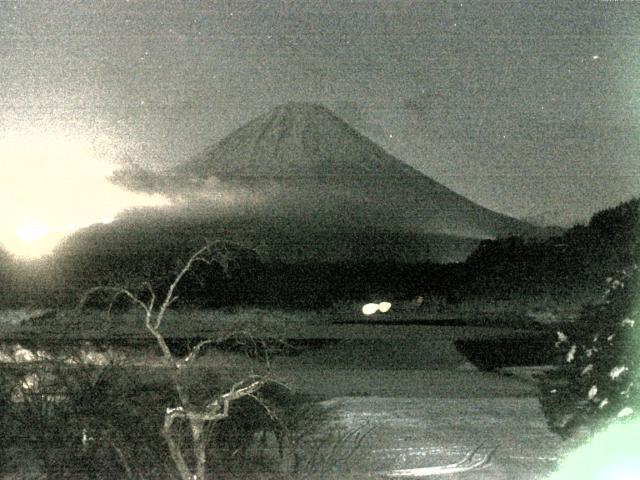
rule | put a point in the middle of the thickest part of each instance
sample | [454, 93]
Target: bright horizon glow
[52, 184]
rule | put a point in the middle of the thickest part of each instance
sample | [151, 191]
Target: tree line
[577, 260]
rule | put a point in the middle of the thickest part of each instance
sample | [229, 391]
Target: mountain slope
[303, 154]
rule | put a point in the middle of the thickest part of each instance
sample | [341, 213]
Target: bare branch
[264, 405]
[234, 394]
[174, 299]
[152, 300]
[195, 351]
[123, 460]
[169, 298]
[111, 304]
[117, 291]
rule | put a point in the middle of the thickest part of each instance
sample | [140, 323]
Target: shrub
[75, 420]
[597, 381]
[84, 421]
[267, 430]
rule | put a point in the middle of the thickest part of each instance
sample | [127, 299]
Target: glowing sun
[52, 184]
[31, 230]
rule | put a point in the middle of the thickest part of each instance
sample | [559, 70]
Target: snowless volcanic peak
[295, 140]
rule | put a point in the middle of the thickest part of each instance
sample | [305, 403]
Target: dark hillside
[579, 259]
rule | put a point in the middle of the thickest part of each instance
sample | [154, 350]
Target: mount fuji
[306, 186]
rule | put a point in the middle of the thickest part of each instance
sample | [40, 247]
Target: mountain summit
[301, 181]
[295, 140]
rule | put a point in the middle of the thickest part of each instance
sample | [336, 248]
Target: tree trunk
[199, 449]
[288, 457]
[174, 449]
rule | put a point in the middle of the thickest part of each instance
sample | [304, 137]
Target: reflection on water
[423, 432]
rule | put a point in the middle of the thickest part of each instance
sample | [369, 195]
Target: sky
[527, 108]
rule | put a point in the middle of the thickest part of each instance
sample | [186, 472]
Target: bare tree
[207, 414]
[196, 416]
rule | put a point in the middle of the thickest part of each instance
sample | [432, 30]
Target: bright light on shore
[371, 308]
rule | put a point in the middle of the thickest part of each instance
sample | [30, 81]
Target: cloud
[138, 179]
[197, 195]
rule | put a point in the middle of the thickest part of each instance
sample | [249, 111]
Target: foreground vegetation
[598, 379]
[86, 416]
[88, 421]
